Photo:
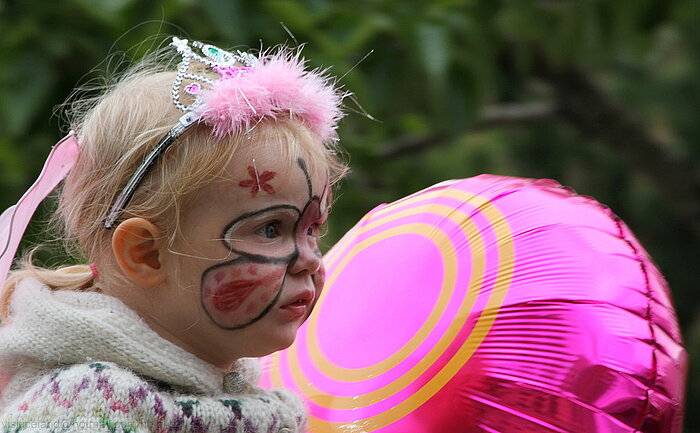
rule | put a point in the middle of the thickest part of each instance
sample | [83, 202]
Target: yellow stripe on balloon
[349, 402]
[372, 221]
[481, 328]
[450, 274]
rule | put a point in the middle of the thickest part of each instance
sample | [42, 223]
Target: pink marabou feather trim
[278, 85]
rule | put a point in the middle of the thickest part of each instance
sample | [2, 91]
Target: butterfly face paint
[267, 243]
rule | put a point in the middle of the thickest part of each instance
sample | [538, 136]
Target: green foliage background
[600, 95]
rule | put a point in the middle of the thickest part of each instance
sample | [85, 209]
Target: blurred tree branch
[595, 113]
[495, 116]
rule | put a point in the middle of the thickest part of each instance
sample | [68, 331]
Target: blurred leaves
[226, 18]
[437, 73]
[27, 96]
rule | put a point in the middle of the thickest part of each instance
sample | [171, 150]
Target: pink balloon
[489, 304]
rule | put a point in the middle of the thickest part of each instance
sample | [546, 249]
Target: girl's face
[249, 270]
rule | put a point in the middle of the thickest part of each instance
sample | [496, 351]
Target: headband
[245, 90]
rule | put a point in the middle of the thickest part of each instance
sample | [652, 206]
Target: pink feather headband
[250, 88]
[247, 90]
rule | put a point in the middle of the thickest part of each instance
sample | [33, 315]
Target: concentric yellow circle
[450, 275]
[505, 250]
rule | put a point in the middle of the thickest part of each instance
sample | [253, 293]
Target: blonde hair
[115, 132]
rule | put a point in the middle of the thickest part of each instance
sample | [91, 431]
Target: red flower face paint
[258, 181]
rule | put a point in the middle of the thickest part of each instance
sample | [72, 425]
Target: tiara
[231, 92]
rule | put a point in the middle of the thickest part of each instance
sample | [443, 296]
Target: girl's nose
[308, 260]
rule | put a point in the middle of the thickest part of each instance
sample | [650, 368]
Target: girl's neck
[155, 313]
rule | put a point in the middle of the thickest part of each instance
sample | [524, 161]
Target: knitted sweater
[85, 362]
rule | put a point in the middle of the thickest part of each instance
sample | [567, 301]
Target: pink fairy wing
[14, 221]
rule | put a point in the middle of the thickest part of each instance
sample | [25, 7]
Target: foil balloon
[489, 304]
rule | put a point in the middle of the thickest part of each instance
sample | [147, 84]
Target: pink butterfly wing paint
[14, 221]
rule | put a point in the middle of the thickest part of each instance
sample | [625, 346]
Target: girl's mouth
[298, 306]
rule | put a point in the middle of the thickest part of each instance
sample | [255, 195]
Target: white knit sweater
[85, 362]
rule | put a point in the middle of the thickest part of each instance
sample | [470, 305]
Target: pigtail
[76, 277]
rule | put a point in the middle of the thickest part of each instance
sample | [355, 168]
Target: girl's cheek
[237, 294]
[319, 279]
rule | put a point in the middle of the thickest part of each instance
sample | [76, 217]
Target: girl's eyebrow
[260, 212]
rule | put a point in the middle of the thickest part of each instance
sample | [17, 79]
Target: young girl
[197, 197]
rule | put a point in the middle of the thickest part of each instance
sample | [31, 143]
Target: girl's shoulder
[105, 397]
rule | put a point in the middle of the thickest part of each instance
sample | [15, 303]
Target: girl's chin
[272, 346]
[262, 344]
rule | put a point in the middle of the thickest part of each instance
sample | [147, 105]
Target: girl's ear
[136, 245]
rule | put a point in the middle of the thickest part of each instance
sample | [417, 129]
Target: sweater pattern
[84, 362]
[104, 397]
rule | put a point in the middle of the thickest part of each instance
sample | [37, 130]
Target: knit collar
[68, 327]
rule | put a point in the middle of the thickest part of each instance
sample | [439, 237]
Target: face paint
[240, 292]
[258, 181]
[278, 223]
[236, 293]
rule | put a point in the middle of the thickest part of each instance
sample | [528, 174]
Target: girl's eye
[313, 229]
[269, 230]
